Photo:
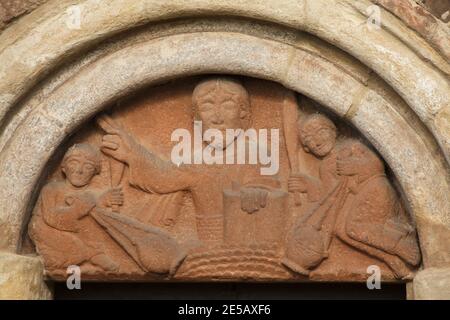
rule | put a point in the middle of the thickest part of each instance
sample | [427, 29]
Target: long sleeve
[150, 173]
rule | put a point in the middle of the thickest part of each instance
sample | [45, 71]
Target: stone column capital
[432, 284]
[22, 278]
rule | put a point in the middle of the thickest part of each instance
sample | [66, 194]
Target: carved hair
[315, 117]
[89, 151]
[229, 85]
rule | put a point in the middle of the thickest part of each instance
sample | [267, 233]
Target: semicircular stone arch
[175, 56]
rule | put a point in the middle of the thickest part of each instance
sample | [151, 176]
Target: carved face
[219, 110]
[79, 170]
[318, 138]
[221, 105]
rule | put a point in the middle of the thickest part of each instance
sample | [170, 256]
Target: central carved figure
[219, 103]
[129, 212]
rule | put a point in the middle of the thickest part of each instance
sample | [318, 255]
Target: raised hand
[117, 143]
[112, 197]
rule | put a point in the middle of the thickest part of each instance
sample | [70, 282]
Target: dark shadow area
[206, 291]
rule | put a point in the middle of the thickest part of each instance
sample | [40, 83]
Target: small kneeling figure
[371, 220]
[57, 226]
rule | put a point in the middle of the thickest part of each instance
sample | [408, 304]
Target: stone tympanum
[121, 208]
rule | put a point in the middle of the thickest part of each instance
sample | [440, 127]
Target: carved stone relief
[118, 205]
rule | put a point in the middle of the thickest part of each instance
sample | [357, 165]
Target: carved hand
[111, 197]
[253, 199]
[117, 143]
